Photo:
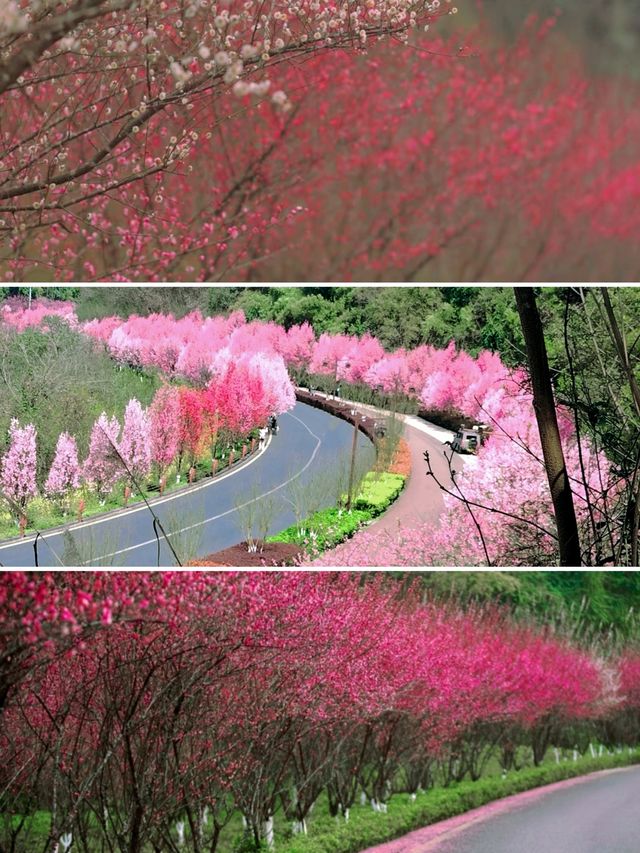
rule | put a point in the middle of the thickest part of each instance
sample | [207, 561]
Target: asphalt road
[597, 814]
[310, 444]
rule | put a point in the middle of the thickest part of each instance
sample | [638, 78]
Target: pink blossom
[64, 473]
[135, 444]
[18, 469]
[102, 467]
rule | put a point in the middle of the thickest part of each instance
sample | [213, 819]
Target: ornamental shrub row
[329, 527]
[367, 828]
[324, 529]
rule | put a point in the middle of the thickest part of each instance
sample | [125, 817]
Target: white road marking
[141, 507]
[229, 511]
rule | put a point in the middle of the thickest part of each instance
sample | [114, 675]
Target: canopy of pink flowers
[210, 685]
[247, 366]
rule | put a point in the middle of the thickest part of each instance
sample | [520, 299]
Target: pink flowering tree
[18, 467]
[297, 348]
[102, 466]
[164, 418]
[123, 148]
[135, 443]
[64, 474]
[15, 313]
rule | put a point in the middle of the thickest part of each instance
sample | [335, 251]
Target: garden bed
[238, 556]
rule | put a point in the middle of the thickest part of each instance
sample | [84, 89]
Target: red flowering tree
[191, 425]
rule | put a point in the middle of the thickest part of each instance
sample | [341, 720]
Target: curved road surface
[309, 445]
[205, 518]
[599, 813]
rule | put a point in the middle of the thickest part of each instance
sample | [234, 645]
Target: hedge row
[329, 527]
[324, 529]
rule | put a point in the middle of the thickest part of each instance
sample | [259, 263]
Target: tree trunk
[544, 406]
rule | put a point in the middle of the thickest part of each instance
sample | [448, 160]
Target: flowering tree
[135, 443]
[421, 195]
[18, 469]
[113, 157]
[102, 466]
[64, 473]
[191, 434]
[164, 415]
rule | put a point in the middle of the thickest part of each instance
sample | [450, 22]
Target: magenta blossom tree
[18, 475]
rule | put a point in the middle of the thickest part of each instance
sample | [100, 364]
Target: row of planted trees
[198, 347]
[145, 711]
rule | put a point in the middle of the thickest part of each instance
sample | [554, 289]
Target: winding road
[599, 813]
[208, 516]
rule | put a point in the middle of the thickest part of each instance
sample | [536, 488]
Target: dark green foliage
[95, 302]
[476, 318]
[589, 602]
[56, 293]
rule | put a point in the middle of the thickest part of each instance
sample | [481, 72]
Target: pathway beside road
[421, 501]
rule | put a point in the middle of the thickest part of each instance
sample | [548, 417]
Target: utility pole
[354, 448]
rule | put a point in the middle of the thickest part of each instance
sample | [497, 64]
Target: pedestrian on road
[263, 437]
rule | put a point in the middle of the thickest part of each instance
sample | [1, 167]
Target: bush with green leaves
[378, 491]
[324, 529]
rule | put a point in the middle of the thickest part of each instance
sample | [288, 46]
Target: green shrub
[378, 491]
[329, 527]
[324, 529]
